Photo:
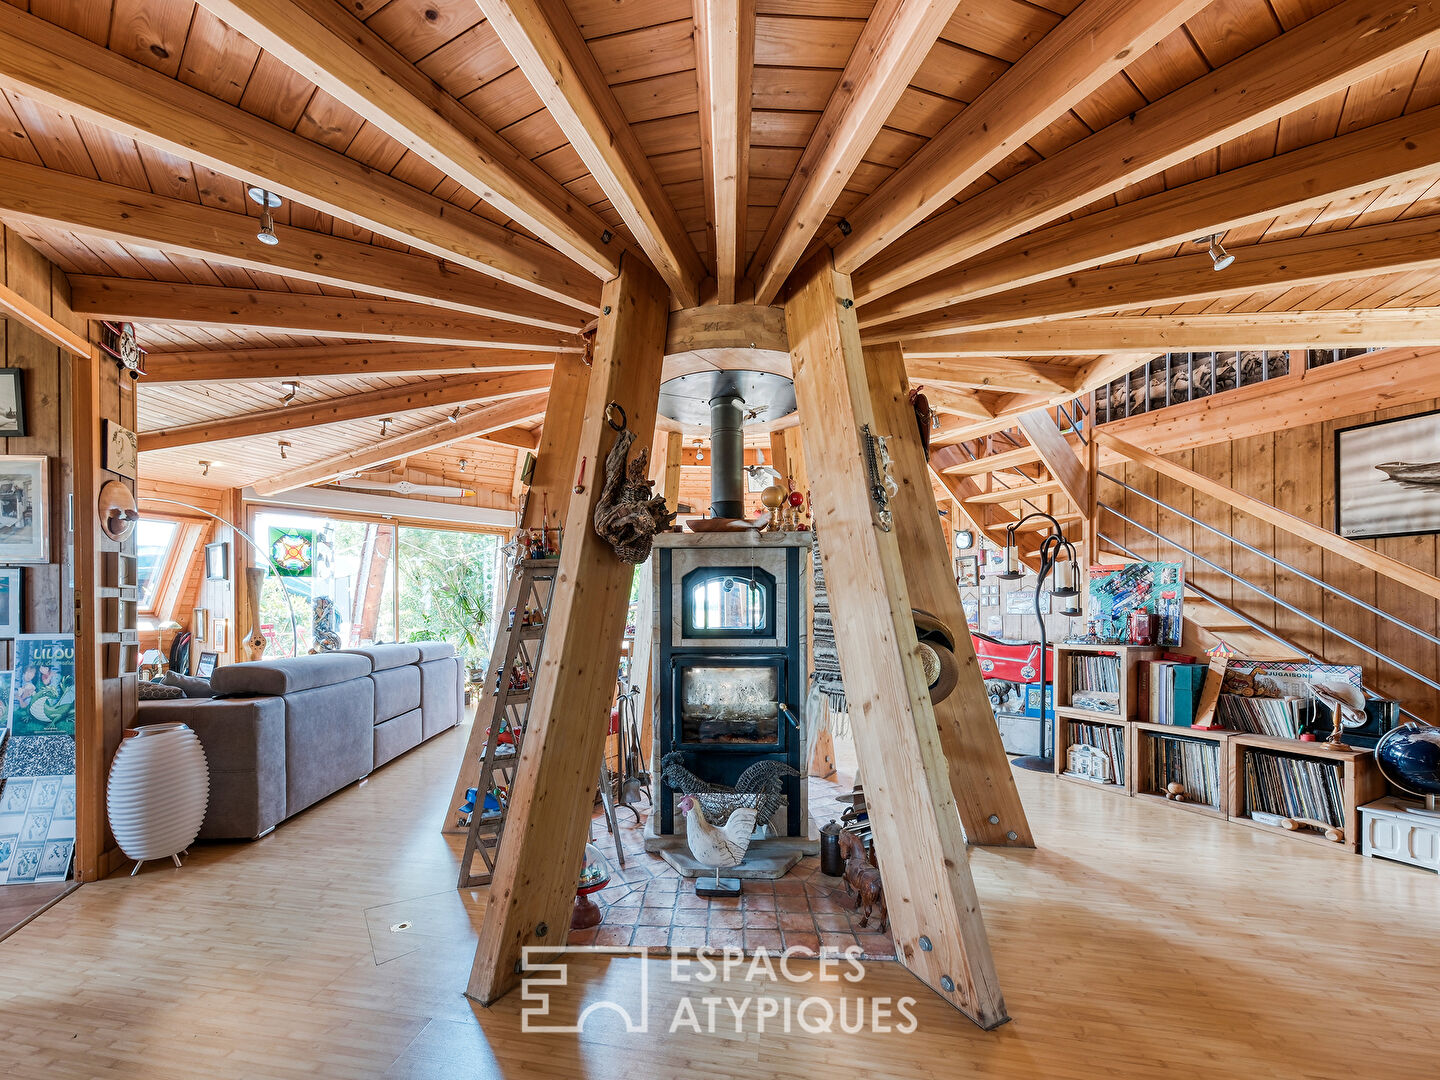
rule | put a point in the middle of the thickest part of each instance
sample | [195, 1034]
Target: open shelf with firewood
[1310, 791]
[1099, 752]
[1099, 682]
[1180, 766]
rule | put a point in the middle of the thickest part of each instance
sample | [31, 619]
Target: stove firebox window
[729, 602]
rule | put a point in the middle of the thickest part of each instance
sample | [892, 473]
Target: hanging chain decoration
[882, 484]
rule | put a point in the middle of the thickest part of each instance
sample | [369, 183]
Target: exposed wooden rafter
[324, 316]
[76, 76]
[724, 61]
[1404, 149]
[1091, 45]
[333, 361]
[455, 390]
[894, 43]
[544, 41]
[1344, 45]
[338, 53]
[991, 373]
[491, 419]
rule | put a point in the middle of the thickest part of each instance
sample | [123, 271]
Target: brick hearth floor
[649, 904]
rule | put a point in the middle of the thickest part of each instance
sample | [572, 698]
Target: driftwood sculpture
[627, 515]
[862, 880]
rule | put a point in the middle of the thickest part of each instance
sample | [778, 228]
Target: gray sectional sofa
[281, 735]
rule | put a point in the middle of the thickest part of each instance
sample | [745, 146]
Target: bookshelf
[1067, 735]
[1144, 784]
[1123, 659]
[1359, 782]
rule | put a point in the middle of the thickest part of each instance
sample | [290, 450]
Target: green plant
[456, 606]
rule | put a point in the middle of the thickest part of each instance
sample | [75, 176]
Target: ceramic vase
[158, 791]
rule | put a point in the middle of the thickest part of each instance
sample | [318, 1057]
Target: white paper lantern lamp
[158, 792]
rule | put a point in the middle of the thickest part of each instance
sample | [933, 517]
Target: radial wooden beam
[1339, 47]
[897, 37]
[918, 836]
[544, 41]
[345, 58]
[990, 373]
[1060, 458]
[48, 198]
[1088, 47]
[1186, 333]
[724, 62]
[332, 361]
[75, 76]
[1329, 172]
[456, 390]
[533, 891]
[555, 475]
[1393, 247]
[301, 313]
[491, 419]
[945, 399]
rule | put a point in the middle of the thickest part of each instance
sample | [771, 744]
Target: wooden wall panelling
[1255, 459]
[1299, 480]
[1213, 461]
[532, 896]
[1169, 523]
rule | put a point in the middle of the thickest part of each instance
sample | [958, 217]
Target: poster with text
[42, 690]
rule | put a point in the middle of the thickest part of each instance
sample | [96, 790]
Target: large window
[448, 589]
[153, 543]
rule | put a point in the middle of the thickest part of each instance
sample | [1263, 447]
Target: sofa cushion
[442, 690]
[388, 656]
[192, 686]
[158, 691]
[396, 735]
[328, 740]
[397, 690]
[280, 677]
[434, 650]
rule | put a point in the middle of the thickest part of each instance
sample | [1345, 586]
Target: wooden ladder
[489, 765]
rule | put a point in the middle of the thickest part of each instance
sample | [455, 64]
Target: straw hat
[937, 654]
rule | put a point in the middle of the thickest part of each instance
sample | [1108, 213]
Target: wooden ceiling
[1015, 186]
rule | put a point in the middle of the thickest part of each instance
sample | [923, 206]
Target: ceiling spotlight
[267, 201]
[291, 389]
[385, 427]
[454, 417]
[283, 447]
[1218, 255]
[699, 450]
[204, 467]
[464, 464]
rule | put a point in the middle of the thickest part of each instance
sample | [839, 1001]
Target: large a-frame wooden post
[533, 893]
[934, 911]
[980, 775]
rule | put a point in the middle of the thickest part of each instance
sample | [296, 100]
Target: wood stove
[729, 662]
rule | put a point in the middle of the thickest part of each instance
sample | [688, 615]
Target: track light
[204, 467]
[291, 389]
[385, 427]
[464, 464]
[283, 447]
[1218, 255]
[454, 417]
[267, 201]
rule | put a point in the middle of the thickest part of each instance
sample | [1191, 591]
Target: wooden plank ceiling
[1006, 227]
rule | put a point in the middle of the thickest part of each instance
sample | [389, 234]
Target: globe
[1409, 757]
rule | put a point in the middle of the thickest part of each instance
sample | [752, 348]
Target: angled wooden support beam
[74, 75]
[1337, 48]
[345, 58]
[1088, 47]
[1059, 456]
[1005, 460]
[918, 834]
[544, 41]
[947, 399]
[330, 361]
[897, 37]
[1016, 493]
[724, 64]
[34, 195]
[990, 373]
[533, 891]
[455, 390]
[1341, 254]
[980, 776]
[491, 419]
[1397, 571]
[14, 306]
[1330, 172]
[548, 503]
[303, 313]
[1193, 333]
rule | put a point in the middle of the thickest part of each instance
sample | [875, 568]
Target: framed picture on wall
[1387, 478]
[122, 449]
[24, 509]
[217, 562]
[206, 667]
[967, 571]
[12, 403]
[12, 602]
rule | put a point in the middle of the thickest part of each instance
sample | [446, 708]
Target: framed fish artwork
[1387, 478]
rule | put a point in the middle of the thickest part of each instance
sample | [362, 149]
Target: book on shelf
[1095, 683]
[1170, 691]
[1285, 717]
[1294, 787]
[1104, 737]
[1192, 763]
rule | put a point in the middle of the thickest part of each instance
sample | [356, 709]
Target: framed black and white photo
[12, 602]
[217, 562]
[206, 666]
[24, 509]
[1387, 478]
[12, 403]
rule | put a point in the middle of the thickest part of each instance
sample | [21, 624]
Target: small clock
[964, 540]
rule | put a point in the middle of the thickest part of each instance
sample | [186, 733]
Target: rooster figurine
[716, 846]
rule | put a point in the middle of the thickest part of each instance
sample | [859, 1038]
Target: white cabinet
[1391, 829]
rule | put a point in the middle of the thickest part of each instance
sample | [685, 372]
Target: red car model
[1014, 661]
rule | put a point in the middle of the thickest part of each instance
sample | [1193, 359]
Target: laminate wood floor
[1137, 941]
